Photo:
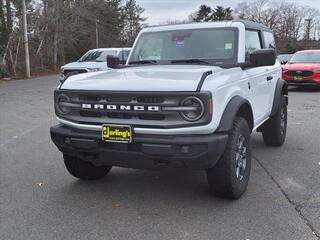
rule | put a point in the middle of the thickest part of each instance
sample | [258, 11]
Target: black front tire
[274, 131]
[84, 170]
[230, 177]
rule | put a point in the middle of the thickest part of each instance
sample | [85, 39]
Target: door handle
[269, 78]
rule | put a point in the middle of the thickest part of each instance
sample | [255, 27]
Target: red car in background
[303, 68]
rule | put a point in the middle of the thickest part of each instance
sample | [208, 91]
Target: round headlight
[61, 104]
[195, 109]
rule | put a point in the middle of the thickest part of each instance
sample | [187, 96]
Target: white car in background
[93, 61]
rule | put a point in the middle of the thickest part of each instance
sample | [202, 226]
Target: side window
[253, 42]
[269, 40]
[127, 52]
[123, 55]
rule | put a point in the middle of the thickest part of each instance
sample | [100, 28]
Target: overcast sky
[160, 11]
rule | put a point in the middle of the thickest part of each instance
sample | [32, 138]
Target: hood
[144, 78]
[85, 65]
[301, 66]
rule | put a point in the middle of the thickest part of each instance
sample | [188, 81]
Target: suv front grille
[144, 109]
[299, 73]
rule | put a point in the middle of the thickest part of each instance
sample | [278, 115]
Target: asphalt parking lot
[40, 200]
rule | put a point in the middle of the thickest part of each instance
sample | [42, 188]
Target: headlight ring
[63, 109]
[192, 115]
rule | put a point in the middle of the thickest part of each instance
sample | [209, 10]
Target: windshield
[215, 46]
[97, 56]
[306, 57]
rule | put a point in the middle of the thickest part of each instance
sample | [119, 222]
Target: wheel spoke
[282, 122]
[241, 158]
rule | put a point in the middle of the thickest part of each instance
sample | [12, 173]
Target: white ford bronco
[189, 96]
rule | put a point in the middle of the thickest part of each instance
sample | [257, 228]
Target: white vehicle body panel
[262, 94]
[144, 78]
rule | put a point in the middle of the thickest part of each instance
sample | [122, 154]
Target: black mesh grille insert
[299, 73]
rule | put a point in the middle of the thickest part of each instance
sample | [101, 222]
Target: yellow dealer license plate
[298, 78]
[116, 133]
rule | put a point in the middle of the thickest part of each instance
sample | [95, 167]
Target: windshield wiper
[192, 61]
[144, 62]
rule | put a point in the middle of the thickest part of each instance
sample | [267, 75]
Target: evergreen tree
[220, 14]
[203, 14]
[207, 14]
[133, 21]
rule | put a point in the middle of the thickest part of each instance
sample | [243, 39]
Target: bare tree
[286, 19]
[252, 11]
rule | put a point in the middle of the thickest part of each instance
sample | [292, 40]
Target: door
[259, 80]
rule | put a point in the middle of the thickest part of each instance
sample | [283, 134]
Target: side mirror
[113, 62]
[263, 57]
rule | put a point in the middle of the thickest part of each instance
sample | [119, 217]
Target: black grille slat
[93, 114]
[118, 115]
[90, 98]
[299, 73]
[117, 99]
[156, 117]
[76, 71]
[150, 99]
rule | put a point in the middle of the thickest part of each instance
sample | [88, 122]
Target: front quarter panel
[224, 86]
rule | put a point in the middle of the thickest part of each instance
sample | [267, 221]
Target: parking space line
[295, 205]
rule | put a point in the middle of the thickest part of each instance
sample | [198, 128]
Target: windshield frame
[214, 62]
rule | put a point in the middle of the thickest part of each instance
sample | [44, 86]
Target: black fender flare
[281, 90]
[232, 110]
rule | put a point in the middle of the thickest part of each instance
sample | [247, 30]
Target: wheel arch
[237, 107]
[281, 90]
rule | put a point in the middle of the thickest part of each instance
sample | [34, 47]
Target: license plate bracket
[116, 133]
[298, 78]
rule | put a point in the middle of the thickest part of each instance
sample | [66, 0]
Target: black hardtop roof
[248, 25]
[253, 25]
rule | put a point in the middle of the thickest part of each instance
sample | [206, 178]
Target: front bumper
[145, 151]
[303, 83]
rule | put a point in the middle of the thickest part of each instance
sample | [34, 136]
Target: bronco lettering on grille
[121, 107]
